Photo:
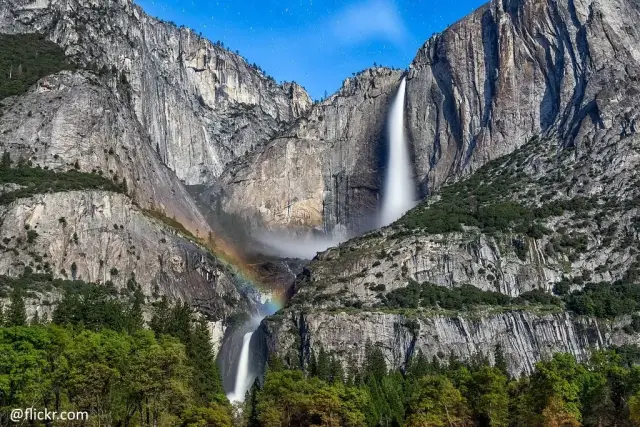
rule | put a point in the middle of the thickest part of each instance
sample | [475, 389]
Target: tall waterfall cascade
[399, 190]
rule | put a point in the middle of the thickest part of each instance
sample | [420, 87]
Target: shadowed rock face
[105, 237]
[199, 104]
[525, 338]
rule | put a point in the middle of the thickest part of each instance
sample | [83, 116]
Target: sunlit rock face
[324, 173]
[476, 91]
[75, 120]
[199, 104]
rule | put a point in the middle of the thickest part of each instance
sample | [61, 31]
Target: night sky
[317, 43]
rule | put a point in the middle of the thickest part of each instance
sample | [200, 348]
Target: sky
[317, 43]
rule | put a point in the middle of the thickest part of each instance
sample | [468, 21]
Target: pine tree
[208, 383]
[418, 366]
[135, 317]
[251, 403]
[180, 322]
[336, 372]
[500, 361]
[5, 163]
[16, 315]
[313, 365]
[161, 317]
[375, 363]
[324, 368]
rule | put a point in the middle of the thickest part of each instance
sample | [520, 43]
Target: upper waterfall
[399, 191]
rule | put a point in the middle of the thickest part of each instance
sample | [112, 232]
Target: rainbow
[235, 261]
[226, 253]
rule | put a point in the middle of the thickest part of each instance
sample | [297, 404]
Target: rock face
[324, 173]
[75, 119]
[525, 338]
[99, 236]
[512, 70]
[479, 90]
[199, 105]
[546, 91]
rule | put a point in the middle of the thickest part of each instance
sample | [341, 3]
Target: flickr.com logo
[33, 414]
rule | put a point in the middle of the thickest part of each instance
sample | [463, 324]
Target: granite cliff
[522, 119]
[324, 172]
[199, 104]
[508, 72]
[149, 107]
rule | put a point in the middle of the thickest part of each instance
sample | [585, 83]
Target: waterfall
[243, 379]
[245, 360]
[399, 190]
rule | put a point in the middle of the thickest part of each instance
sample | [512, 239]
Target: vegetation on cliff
[26, 58]
[35, 180]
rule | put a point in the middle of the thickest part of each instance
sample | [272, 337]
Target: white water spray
[399, 191]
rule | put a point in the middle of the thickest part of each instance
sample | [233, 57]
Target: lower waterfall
[245, 375]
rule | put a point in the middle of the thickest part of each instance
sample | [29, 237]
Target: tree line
[603, 391]
[97, 354]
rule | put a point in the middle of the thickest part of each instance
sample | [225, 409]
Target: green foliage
[95, 356]
[119, 378]
[416, 295]
[602, 300]
[481, 201]
[605, 299]
[16, 315]
[438, 403]
[179, 321]
[31, 236]
[288, 398]
[98, 307]
[37, 180]
[25, 58]
[603, 391]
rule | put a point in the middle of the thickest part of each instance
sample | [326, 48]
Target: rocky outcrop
[75, 120]
[514, 69]
[325, 172]
[199, 105]
[524, 337]
[97, 236]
